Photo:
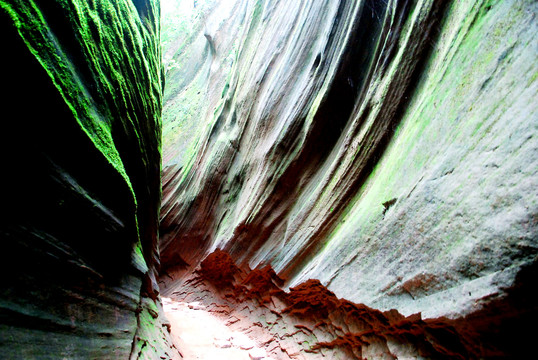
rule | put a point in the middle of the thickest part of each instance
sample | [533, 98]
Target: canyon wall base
[309, 322]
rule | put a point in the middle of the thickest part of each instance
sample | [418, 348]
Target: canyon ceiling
[388, 149]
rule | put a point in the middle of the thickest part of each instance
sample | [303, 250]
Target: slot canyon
[269, 179]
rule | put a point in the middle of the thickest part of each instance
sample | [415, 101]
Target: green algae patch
[420, 128]
[91, 150]
[44, 45]
[148, 341]
[97, 57]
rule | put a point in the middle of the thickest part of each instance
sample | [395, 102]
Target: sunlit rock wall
[385, 148]
[80, 143]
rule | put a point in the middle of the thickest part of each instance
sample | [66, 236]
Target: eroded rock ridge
[310, 322]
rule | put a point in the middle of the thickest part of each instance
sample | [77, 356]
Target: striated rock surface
[386, 148]
[82, 93]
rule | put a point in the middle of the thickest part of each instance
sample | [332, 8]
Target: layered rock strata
[386, 148]
[310, 322]
[82, 92]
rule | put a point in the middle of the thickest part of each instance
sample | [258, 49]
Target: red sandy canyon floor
[201, 335]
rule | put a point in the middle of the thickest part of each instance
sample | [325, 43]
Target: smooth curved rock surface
[388, 149]
[82, 93]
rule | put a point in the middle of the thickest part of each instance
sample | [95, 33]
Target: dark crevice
[330, 120]
[372, 153]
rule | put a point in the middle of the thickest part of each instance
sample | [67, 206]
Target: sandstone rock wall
[80, 143]
[385, 148]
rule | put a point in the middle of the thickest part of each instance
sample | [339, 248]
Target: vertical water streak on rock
[277, 143]
[423, 249]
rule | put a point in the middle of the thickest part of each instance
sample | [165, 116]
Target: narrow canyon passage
[269, 179]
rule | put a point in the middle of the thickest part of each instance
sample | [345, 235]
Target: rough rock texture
[387, 148]
[310, 322]
[82, 98]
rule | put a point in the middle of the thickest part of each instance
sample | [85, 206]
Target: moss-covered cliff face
[387, 148]
[82, 92]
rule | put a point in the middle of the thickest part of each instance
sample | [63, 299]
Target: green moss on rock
[83, 187]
